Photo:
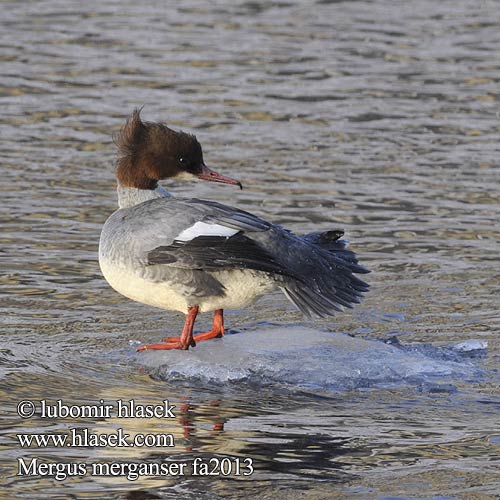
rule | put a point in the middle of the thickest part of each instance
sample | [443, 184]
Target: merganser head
[149, 152]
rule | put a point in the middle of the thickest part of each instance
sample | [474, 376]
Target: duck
[194, 256]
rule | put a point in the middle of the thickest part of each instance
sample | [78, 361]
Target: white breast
[134, 287]
[242, 287]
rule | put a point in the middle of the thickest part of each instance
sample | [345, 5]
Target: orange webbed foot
[216, 332]
[199, 336]
[164, 346]
[187, 339]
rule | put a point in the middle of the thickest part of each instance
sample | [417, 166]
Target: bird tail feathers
[332, 286]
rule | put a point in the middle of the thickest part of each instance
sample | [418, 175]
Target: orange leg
[185, 341]
[216, 332]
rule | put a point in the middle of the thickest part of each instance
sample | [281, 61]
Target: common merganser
[192, 255]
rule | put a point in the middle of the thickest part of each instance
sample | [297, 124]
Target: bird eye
[182, 160]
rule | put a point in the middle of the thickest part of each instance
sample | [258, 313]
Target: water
[379, 118]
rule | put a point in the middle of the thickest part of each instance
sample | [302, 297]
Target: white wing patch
[204, 229]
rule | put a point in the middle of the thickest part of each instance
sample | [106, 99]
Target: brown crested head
[149, 152]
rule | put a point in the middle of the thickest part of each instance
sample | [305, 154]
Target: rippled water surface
[381, 118]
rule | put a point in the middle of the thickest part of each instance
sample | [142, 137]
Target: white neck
[128, 197]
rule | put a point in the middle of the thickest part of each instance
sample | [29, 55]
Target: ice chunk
[471, 345]
[298, 357]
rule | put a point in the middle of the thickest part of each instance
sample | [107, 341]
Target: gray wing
[244, 249]
[317, 278]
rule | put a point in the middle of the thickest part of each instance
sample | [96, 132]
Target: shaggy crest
[148, 152]
[130, 136]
